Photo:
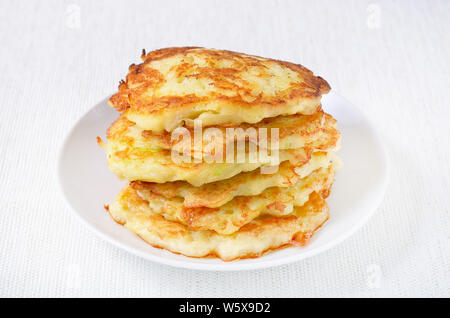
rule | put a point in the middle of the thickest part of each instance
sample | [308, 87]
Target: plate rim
[234, 265]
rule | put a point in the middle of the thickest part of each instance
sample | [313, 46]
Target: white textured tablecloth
[391, 59]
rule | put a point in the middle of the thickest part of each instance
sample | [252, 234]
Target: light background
[391, 59]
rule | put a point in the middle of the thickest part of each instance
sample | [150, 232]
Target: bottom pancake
[252, 240]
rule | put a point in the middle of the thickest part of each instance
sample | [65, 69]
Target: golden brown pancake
[251, 183]
[294, 131]
[130, 156]
[175, 85]
[252, 240]
[135, 164]
[202, 207]
[241, 210]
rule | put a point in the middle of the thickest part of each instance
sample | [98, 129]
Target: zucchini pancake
[225, 154]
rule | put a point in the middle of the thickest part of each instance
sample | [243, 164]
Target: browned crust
[306, 126]
[299, 239]
[142, 78]
[165, 136]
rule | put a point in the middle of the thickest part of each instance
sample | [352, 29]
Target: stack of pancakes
[227, 209]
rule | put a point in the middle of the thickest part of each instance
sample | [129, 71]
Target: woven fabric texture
[390, 58]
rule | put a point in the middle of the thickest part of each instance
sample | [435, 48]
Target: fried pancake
[174, 85]
[131, 158]
[294, 131]
[218, 193]
[131, 162]
[231, 216]
[252, 240]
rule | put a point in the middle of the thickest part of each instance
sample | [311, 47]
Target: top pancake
[176, 85]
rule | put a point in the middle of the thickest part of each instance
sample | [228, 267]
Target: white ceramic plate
[87, 185]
